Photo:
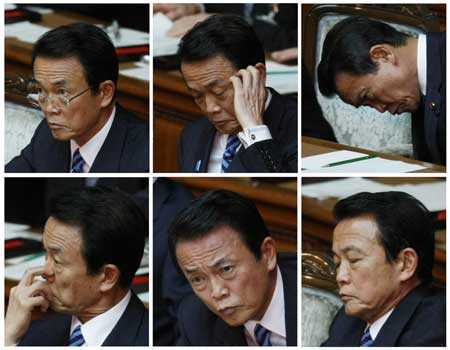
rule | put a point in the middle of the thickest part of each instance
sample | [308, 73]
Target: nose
[211, 105]
[218, 288]
[342, 275]
[49, 273]
[50, 106]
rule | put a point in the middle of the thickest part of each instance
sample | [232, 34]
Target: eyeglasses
[59, 101]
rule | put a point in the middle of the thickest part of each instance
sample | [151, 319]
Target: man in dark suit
[76, 70]
[169, 197]
[94, 241]
[244, 293]
[248, 128]
[370, 63]
[383, 247]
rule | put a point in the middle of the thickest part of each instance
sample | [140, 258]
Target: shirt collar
[273, 319]
[98, 328]
[422, 63]
[378, 324]
[91, 148]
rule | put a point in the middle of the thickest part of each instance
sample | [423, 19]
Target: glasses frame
[37, 101]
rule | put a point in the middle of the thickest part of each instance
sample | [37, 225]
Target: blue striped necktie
[366, 339]
[77, 162]
[262, 336]
[230, 151]
[76, 338]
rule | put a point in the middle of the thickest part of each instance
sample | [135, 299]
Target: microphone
[16, 84]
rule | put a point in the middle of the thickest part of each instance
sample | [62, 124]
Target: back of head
[402, 220]
[227, 35]
[346, 48]
[217, 208]
[113, 229]
[86, 42]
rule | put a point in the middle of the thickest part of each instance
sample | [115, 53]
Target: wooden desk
[276, 202]
[173, 108]
[312, 147]
[133, 94]
[318, 224]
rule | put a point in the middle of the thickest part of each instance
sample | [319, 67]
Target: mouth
[345, 297]
[227, 311]
[54, 126]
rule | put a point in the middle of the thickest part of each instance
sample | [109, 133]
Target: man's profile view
[76, 70]
[245, 293]
[370, 63]
[94, 241]
[383, 247]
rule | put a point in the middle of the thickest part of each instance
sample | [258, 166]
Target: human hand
[23, 298]
[183, 25]
[175, 11]
[250, 95]
[285, 55]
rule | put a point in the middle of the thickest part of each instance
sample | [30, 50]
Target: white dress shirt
[98, 328]
[376, 326]
[273, 320]
[91, 148]
[422, 63]
[247, 137]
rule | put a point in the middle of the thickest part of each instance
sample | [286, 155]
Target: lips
[227, 311]
[345, 297]
[52, 125]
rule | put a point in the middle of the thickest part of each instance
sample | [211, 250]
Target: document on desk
[282, 77]
[30, 32]
[431, 194]
[141, 71]
[354, 162]
[163, 44]
[16, 271]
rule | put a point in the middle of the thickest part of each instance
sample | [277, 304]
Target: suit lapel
[226, 335]
[290, 306]
[432, 102]
[63, 158]
[392, 329]
[126, 330]
[108, 158]
[203, 152]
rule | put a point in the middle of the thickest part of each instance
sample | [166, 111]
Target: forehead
[220, 243]
[360, 232]
[350, 86]
[53, 70]
[207, 71]
[61, 236]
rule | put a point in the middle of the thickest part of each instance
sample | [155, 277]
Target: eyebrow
[55, 83]
[54, 249]
[350, 248]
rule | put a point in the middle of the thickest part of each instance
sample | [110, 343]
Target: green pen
[348, 161]
[34, 256]
[282, 72]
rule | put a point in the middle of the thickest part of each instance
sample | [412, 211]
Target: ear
[262, 71]
[109, 277]
[269, 253]
[107, 89]
[408, 261]
[382, 53]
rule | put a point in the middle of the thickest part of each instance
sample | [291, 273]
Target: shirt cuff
[258, 133]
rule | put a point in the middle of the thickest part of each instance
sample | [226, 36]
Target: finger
[40, 288]
[162, 8]
[255, 74]
[246, 78]
[38, 301]
[237, 84]
[30, 274]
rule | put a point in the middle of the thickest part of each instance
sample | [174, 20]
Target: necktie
[366, 339]
[77, 162]
[76, 338]
[262, 335]
[230, 151]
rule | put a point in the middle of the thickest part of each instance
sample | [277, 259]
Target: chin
[61, 136]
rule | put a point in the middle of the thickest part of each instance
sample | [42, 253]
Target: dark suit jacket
[126, 149]
[418, 320]
[277, 155]
[209, 329]
[169, 285]
[131, 330]
[429, 124]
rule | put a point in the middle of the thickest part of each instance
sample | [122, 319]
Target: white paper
[432, 194]
[15, 272]
[142, 73]
[320, 160]
[143, 297]
[281, 77]
[10, 7]
[163, 45]
[30, 32]
[38, 9]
